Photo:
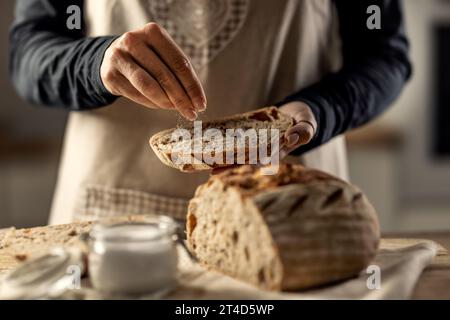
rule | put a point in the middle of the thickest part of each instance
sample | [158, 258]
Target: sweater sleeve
[375, 69]
[52, 65]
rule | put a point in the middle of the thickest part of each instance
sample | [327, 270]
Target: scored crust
[298, 229]
[266, 118]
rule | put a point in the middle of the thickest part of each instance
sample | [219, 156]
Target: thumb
[299, 134]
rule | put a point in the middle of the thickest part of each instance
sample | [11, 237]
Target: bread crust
[321, 229]
[268, 116]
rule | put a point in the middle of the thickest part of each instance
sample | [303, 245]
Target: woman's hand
[304, 128]
[148, 67]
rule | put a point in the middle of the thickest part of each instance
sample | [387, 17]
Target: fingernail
[293, 139]
[200, 105]
[191, 115]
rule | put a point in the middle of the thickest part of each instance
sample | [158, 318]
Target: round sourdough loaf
[294, 230]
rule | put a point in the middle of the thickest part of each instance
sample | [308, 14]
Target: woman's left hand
[301, 133]
[304, 129]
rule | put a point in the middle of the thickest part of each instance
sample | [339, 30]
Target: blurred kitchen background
[401, 161]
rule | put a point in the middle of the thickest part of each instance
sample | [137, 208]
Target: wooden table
[434, 282]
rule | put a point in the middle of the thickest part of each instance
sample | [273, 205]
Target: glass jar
[133, 257]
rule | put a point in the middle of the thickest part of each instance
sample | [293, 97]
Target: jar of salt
[133, 258]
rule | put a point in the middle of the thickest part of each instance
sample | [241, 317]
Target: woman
[316, 59]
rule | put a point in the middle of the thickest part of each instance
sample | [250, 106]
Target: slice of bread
[298, 229]
[4, 233]
[24, 243]
[168, 147]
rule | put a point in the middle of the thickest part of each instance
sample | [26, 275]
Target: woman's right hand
[148, 67]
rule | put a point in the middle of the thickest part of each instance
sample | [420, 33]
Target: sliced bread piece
[170, 149]
[4, 234]
[298, 229]
[24, 243]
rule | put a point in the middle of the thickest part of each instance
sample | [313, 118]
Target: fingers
[151, 62]
[160, 41]
[147, 66]
[129, 91]
[143, 82]
[119, 85]
[303, 130]
[300, 134]
[292, 139]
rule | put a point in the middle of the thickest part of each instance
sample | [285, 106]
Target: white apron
[248, 54]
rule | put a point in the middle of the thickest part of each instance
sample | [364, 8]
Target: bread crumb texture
[165, 144]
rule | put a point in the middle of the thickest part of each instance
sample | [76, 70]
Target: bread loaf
[298, 229]
[163, 143]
